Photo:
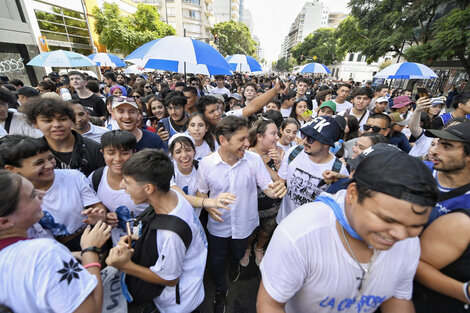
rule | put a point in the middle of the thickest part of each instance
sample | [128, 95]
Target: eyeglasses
[310, 140]
[136, 97]
[147, 87]
[194, 84]
[174, 107]
[375, 129]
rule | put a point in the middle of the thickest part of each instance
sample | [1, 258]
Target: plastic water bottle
[337, 146]
[65, 94]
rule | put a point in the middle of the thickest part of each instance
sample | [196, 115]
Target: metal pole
[98, 70]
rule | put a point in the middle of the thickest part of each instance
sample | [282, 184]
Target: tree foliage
[284, 64]
[126, 33]
[234, 38]
[319, 46]
[424, 31]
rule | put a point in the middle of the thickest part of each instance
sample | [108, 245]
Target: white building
[226, 10]
[312, 16]
[193, 18]
[355, 66]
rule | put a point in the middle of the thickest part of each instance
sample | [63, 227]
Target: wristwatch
[94, 249]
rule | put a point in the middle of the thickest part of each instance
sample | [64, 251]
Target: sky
[273, 18]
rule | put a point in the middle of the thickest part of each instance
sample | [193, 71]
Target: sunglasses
[135, 97]
[375, 129]
[124, 99]
[310, 140]
[146, 86]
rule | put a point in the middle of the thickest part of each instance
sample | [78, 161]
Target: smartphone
[422, 92]
[159, 125]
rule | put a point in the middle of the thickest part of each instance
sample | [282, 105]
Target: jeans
[218, 247]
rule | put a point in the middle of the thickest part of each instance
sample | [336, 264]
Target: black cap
[28, 91]
[459, 132]
[324, 129]
[387, 169]
[341, 121]
[54, 75]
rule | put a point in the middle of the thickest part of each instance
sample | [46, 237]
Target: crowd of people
[350, 197]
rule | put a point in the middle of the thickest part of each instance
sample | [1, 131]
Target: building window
[170, 11]
[196, 2]
[196, 15]
[194, 28]
[359, 57]
[64, 25]
[351, 57]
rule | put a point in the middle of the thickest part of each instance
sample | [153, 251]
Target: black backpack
[146, 253]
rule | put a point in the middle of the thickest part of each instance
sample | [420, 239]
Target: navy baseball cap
[387, 169]
[324, 129]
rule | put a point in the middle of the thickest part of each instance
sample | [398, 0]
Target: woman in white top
[198, 129]
[298, 110]
[41, 275]
[289, 129]
[183, 150]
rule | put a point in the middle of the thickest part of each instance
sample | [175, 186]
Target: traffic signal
[302, 57]
[216, 37]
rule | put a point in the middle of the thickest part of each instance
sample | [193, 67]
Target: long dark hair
[353, 125]
[208, 137]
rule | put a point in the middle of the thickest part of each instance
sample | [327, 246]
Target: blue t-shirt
[449, 205]
[400, 140]
[151, 141]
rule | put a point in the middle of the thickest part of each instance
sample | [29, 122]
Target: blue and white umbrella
[243, 63]
[182, 55]
[406, 70]
[314, 68]
[61, 58]
[106, 59]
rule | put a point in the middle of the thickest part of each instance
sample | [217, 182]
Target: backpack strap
[96, 178]
[294, 153]
[174, 224]
[453, 193]
[196, 164]
[8, 121]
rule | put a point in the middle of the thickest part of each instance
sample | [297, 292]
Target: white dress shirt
[216, 177]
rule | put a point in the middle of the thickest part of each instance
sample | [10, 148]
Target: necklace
[365, 271]
[178, 128]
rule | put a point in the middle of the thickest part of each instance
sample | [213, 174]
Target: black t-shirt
[151, 141]
[94, 103]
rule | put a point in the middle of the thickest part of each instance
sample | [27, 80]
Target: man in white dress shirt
[233, 169]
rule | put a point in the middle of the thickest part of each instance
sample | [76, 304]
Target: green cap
[330, 104]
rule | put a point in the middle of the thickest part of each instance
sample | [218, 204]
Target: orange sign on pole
[43, 44]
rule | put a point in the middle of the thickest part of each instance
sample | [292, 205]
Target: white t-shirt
[302, 176]
[175, 261]
[216, 176]
[40, 275]
[362, 118]
[202, 151]
[3, 132]
[187, 183]
[237, 112]
[285, 148]
[95, 133]
[117, 201]
[421, 146]
[20, 126]
[286, 112]
[64, 201]
[307, 266]
[343, 106]
[221, 91]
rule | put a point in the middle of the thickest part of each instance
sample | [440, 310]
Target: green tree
[376, 27]
[319, 46]
[284, 64]
[127, 33]
[234, 38]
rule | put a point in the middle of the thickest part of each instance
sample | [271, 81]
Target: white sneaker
[259, 254]
[246, 258]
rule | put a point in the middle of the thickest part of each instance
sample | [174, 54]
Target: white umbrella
[61, 58]
[406, 70]
[182, 55]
